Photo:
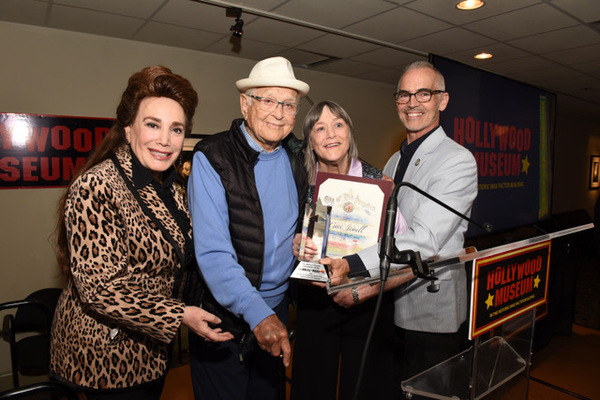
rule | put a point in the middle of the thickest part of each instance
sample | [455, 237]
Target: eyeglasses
[422, 95]
[269, 104]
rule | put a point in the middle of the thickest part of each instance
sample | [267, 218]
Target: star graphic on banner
[536, 282]
[525, 163]
[489, 301]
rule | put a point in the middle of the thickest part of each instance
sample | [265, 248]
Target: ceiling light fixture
[322, 28]
[467, 5]
[237, 28]
[483, 56]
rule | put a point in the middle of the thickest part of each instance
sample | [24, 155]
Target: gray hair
[439, 78]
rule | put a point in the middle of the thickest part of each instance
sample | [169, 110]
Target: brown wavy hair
[157, 81]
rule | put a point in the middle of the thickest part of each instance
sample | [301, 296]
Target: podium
[508, 289]
[509, 284]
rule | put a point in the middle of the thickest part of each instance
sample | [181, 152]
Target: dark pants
[331, 339]
[234, 371]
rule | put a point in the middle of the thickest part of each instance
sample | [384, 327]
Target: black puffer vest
[233, 159]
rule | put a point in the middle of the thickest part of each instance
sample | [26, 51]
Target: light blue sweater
[215, 254]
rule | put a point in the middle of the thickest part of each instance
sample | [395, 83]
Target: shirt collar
[253, 144]
[142, 176]
[413, 146]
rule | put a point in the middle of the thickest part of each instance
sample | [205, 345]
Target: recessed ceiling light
[470, 4]
[483, 56]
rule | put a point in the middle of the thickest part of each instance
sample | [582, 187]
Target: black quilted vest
[233, 159]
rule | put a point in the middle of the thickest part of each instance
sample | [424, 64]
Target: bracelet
[355, 295]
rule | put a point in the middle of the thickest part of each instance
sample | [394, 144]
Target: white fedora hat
[274, 71]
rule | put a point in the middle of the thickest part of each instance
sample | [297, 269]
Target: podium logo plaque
[507, 285]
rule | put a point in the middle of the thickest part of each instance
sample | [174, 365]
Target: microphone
[388, 251]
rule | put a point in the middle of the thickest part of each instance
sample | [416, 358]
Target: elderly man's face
[268, 128]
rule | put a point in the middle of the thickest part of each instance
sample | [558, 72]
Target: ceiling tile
[333, 13]
[265, 5]
[576, 55]
[386, 75]
[585, 10]
[250, 49]
[282, 33]
[30, 12]
[519, 65]
[549, 42]
[198, 16]
[387, 57]
[552, 74]
[446, 10]
[301, 58]
[176, 36]
[562, 39]
[133, 8]
[96, 22]
[398, 25]
[500, 52]
[345, 67]
[439, 43]
[568, 82]
[337, 46]
[590, 68]
[519, 23]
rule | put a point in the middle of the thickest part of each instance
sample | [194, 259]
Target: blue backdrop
[507, 125]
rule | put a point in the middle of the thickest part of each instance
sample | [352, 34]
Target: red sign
[507, 285]
[44, 151]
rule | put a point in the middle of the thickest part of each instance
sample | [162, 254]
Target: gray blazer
[447, 171]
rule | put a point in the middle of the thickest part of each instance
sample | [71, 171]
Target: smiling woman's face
[330, 137]
[156, 135]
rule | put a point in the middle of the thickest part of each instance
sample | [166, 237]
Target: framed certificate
[357, 211]
[347, 216]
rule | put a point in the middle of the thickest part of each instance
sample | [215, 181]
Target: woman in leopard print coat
[124, 243]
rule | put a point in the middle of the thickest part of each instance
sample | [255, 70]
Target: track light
[237, 28]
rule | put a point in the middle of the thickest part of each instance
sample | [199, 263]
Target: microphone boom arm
[388, 251]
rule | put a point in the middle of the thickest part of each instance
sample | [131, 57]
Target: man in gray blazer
[431, 327]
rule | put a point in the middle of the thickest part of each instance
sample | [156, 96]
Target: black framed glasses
[268, 104]
[422, 95]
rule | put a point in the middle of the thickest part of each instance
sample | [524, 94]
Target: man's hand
[345, 299]
[272, 336]
[338, 269]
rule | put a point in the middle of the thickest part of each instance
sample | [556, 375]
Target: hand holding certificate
[346, 218]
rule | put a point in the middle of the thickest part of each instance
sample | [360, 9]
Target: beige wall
[576, 140]
[46, 71]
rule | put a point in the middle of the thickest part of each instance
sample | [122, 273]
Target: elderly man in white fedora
[246, 192]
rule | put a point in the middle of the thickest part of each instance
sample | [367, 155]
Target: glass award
[315, 226]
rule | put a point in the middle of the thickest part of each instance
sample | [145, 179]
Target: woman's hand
[197, 320]
[310, 248]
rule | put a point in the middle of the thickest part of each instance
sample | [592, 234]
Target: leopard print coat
[116, 317]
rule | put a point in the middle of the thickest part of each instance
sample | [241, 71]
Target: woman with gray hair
[328, 336]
